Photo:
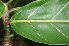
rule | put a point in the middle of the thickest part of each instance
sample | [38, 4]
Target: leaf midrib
[14, 21]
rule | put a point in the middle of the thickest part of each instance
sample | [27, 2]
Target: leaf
[2, 8]
[44, 21]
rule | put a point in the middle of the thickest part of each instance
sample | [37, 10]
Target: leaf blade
[46, 32]
[2, 8]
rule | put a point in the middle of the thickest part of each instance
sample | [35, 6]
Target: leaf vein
[37, 32]
[60, 10]
[58, 30]
[32, 13]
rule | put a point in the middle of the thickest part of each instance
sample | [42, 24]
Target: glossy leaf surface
[51, 32]
[2, 8]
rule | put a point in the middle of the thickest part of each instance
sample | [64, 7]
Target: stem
[9, 2]
[5, 18]
[14, 9]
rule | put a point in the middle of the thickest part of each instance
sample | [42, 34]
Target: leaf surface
[44, 21]
[2, 8]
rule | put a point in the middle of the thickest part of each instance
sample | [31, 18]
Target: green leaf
[2, 8]
[43, 21]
